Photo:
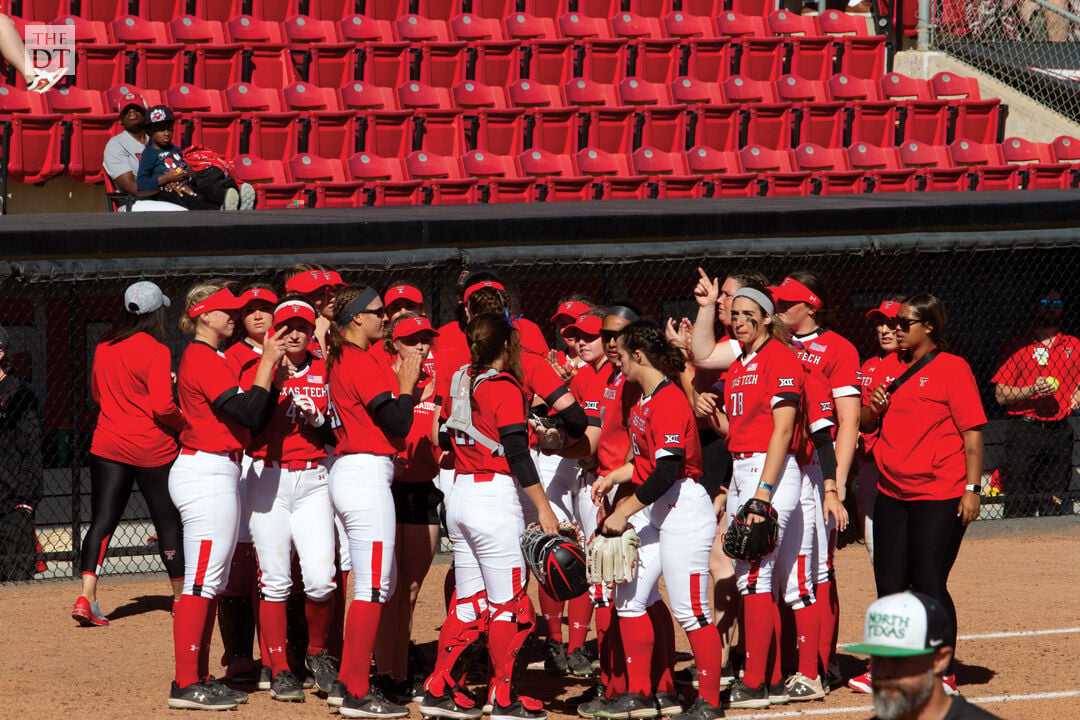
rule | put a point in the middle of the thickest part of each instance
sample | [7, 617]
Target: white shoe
[232, 200]
[247, 197]
[43, 82]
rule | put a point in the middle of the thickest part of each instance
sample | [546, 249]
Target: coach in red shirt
[930, 453]
[1038, 382]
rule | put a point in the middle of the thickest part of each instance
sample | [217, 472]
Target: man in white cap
[905, 636]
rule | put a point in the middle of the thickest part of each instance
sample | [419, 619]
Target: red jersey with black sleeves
[753, 385]
[499, 403]
[587, 387]
[358, 381]
[817, 414]
[866, 375]
[540, 379]
[663, 425]
[421, 456]
[833, 356]
[288, 436]
[247, 359]
[920, 448]
[206, 376]
[131, 382]
[619, 397]
[1025, 359]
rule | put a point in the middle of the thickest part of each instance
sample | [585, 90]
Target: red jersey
[1025, 359]
[920, 449]
[500, 403]
[866, 374]
[540, 379]
[816, 407]
[531, 337]
[205, 376]
[661, 425]
[836, 358]
[247, 359]
[752, 386]
[453, 353]
[587, 387]
[421, 456]
[359, 380]
[132, 384]
[618, 397]
[288, 436]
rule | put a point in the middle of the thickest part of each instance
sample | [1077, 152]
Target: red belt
[294, 464]
[743, 456]
[479, 477]
[234, 455]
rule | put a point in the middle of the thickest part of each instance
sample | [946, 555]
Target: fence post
[923, 39]
[75, 444]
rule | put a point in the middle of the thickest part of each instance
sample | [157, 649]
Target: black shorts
[416, 503]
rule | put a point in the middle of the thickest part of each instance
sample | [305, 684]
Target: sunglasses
[377, 312]
[903, 323]
[1056, 304]
[610, 335]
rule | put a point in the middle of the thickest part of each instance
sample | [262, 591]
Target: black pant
[1040, 467]
[209, 185]
[915, 546]
[716, 462]
[18, 545]
[110, 488]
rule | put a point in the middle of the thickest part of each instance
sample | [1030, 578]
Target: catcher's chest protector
[460, 418]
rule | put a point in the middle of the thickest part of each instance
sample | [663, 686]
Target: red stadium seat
[923, 118]
[497, 9]
[471, 94]
[445, 182]
[613, 176]
[330, 9]
[522, 26]
[782, 177]
[385, 9]
[578, 26]
[770, 123]
[719, 127]
[334, 135]
[613, 130]
[439, 9]
[385, 181]
[131, 30]
[557, 130]
[501, 132]
[585, 92]
[385, 64]
[988, 168]
[70, 101]
[976, 118]
[360, 29]
[863, 55]
[1066, 149]
[668, 172]
[497, 177]
[822, 122]
[753, 7]
[272, 188]
[933, 166]
[657, 61]
[680, 24]
[723, 173]
[365, 96]
[467, 27]
[306, 30]
[598, 8]
[219, 10]
[497, 63]
[161, 11]
[92, 126]
[550, 62]
[813, 55]
[415, 29]
[605, 61]
[556, 177]
[635, 27]
[42, 11]
[218, 63]
[307, 98]
[99, 67]
[710, 59]
[442, 65]
[704, 8]
[273, 130]
[529, 93]
[102, 10]
[328, 177]
[273, 10]
[253, 31]
[413, 94]
[189, 29]
[831, 168]
[1037, 169]
[34, 154]
[691, 91]
[883, 167]
[736, 24]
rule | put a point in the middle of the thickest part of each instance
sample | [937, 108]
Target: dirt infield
[1011, 577]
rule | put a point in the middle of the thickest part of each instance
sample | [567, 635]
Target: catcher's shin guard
[455, 637]
[505, 639]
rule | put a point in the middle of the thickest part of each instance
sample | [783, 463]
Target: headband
[356, 306]
[623, 312]
[757, 296]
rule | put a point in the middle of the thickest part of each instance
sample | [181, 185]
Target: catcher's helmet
[557, 561]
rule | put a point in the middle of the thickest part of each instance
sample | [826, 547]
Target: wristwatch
[977, 489]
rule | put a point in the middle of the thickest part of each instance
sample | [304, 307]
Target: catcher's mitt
[752, 541]
[613, 559]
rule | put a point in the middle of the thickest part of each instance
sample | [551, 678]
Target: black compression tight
[110, 488]
[915, 546]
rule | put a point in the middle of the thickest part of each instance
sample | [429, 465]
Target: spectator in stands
[21, 473]
[123, 151]
[163, 169]
[14, 51]
[1038, 382]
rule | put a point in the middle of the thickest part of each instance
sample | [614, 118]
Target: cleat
[286, 687]
[667, 704]
[324, 668]
[701, 710]
[628, 706]
[861, 683]
[518, 710]
[743, 697]
[578, 663]
[215, 684]
[447, 707]
[372, 705]
[555, 662]
[801, 688]
[88, 614]
[265, 678]
[336, 695]
[197, 696]
[949, 683]
[778, 694]
[687, 677]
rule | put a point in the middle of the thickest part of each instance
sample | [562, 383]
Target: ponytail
[648, 337]
[487, 335]
[335, 341]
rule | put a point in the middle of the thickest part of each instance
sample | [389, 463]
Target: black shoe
[372, 705]
[778, 694]
[336, 695]
[515, 711]
[578, 663]
[214, 684]
[667, 704]
[197, 696]
[324, 668]
[589, 708]
[247, 678]
[446, 706]
[265, 678]
[741, 696]
[629, 706]
[727, 673]
[701, 710]
[286, 687]
[687, 676]
[595, 691]
[408, 690]
[555, 662]
[419, 664]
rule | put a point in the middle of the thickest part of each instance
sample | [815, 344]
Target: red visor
[570, 310]
[221, 300]
[887, 309]
[312, 280]
[259, 295]
[413, 325]
[294, 309]
[791, 290]
[480, 285]
[588, 325]
[403, 292]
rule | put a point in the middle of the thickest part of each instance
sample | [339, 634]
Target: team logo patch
[315, 379]
[787, 382]
[671, 439]
[817, 347]
[751, 367]
[592, 405]
[826, 407]
[157, 115]
[923, 381]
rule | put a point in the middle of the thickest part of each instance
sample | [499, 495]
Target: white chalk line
[1013, 634]
[847, 710]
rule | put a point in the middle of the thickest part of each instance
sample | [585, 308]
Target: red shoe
[88, 614]
[949, 683]
[861, 683]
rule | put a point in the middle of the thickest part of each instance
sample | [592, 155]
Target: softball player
[674, 519]
[485, 522]
[319, 285]
[130, 382]
[204, 480]
[372, 416]
[289, 502]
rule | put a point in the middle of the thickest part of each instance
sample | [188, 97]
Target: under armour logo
[578, 626]
[702, 672]
[194, 648]
[787, 382]
[671, 439]
[671, 506]
[275, 649]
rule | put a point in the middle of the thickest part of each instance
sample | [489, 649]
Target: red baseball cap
[483, 284]
[259, 295]
[791, 290]
[412, 326]
[570, 310]
[588, 324]
[312, 280]
[403, 292]
[223, 299]
[294, 309]
[887, 309]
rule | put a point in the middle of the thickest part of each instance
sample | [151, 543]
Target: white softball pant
[292, 507]
[360, 492]
[819, 532]
[676, 534]
[777, 572]
[204, 487]
[484, 521]
[560, 478]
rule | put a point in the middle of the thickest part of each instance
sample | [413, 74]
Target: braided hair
[488, 335]
[648, 337]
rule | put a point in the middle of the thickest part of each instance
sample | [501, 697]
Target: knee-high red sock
[454, 637]
[504, 639]
[759, 611]
[579, 611]
[335, 634]
[551, 610]
[808, 630]
[709, 658]
[274, 627]
[360, 627]
[208, 634]
[638, 642]
[828, 606]
[663, 663]
[189, 621]
[319, 615]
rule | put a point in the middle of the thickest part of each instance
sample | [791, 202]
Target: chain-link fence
[54, 314]
[1030, 45]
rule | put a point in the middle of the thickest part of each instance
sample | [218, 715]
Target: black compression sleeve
[445, 443]
[250, 409]
[395, 418]
[662, 478]
[822, 440]
[515, 444]
[574, 420]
